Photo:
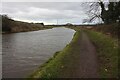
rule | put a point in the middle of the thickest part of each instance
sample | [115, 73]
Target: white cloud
[45, 12]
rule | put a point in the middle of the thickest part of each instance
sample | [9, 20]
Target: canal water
[24, 52]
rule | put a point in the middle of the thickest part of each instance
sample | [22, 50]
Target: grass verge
[55, 66]
[107, 49]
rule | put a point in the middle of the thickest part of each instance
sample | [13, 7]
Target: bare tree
[97, 10]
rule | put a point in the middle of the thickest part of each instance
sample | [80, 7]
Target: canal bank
[82, 58]
[61, 64]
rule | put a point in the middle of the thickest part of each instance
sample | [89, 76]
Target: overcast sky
[49, 0]
[46, 12]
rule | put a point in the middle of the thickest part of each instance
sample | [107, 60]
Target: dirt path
[88, 65]
[83, 61]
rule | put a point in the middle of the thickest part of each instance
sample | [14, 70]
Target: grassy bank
[12, 26]
[107, 49]
[28, 30]
[61, 61]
